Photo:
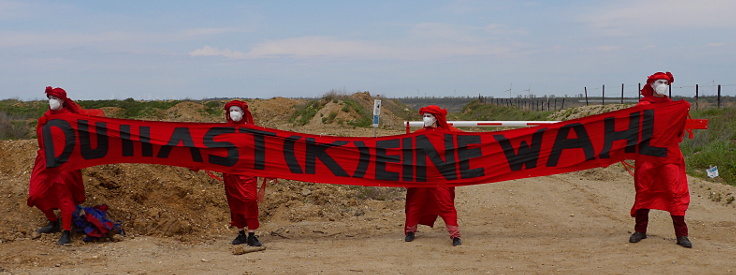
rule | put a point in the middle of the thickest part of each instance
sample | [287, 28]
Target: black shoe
[52, 227]
[456, 241]
[240, 239]
[252, 240]
[684, 242]
[409, 237]
[637, 236]
[66, 238]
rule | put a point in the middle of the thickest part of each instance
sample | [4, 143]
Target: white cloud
[210, 51]
[316, 47]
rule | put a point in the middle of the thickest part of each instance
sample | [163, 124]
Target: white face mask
[661, 87]
[429, 120]
[54, 103]
[236, 114]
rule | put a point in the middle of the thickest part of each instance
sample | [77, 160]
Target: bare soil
[177, 222]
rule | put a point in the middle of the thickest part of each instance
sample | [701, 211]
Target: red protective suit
[53, 190]
[61, 190]
[425, 204]
[241, 190]
[661, 186]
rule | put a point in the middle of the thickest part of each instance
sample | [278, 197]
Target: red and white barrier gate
[461, 123]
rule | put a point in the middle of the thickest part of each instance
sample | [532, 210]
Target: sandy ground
[572, 223]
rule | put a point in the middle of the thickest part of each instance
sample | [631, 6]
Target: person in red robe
[425, 204]
[660, 185]
[62, 190]
[242, 190]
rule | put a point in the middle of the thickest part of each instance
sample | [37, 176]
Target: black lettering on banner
[407, 156]
[259, 140]
[562, 142]
[290, 156]
[317, 151]
[528, 154]
[180, 135]
[85, 144]
[363, 161]
[646, 137]
[232, 150]
[48, 142]
[450, 149]
[146, 146]
[126, 142]
[631, 135]
[464, 155]
[382, 158]
[426, 149]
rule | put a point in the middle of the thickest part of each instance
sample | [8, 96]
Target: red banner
[424, 159]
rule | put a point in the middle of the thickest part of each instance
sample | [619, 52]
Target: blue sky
[263, 49]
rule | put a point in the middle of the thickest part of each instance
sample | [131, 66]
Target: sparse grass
[364, 119]
[479, 111]
[213, 108]
[131, 108]
[305, 112]
[715, 146]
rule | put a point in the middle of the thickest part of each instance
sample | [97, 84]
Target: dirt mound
[336, 113]
[578, 112]
[113, 112]
[274, 112]
[189, 112]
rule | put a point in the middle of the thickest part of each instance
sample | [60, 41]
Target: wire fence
[700, 97]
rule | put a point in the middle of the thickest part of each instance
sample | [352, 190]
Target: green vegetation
[364, 119]
[213, 108]
[305, 112]
[476, 110]
[715, 146]
[132, 108]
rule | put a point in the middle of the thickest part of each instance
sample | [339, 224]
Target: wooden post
[586, 96]
[603, 95]
[719, 96]
[696, 96]
[622, 93]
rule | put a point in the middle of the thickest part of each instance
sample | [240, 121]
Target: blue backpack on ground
[93, 222]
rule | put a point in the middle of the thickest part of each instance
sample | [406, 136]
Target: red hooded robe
[241, 190]
[425, 204]
[56, 190]
[661, 185]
